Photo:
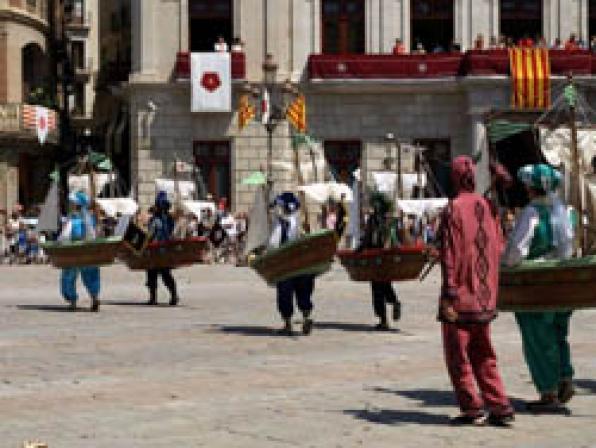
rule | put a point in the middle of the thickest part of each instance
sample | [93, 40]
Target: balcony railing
[182, 69]
[18, 122]
[414, 66]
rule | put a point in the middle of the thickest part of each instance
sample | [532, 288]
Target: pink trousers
[472, 365]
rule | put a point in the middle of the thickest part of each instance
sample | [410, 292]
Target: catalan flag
[296, 113]
[530, 73]
[246, 112]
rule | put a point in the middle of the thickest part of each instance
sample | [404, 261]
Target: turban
[540, 176]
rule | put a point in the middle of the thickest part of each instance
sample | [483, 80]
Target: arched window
[521, 19]
[343, 26]
[592, 15]
[209, 20]
[432, 25]
[34, 69]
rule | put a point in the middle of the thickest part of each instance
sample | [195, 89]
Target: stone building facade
[350, 113]
[23, 69]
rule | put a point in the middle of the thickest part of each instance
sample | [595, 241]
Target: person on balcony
[377, 235]
[572, 44]
[78, 227]
[287, 229]
[557, 45]
[221, 45]
[544, 230]
[237, 45]
[493, 44]
[399, 47]
[479, 42]
[526, 42]
[161, 227]
[471, 244]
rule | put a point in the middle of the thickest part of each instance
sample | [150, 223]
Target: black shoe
[95, 305]
[307, 326]
[566, 391]
[286, 330]
[396, 311]
[72, 305]
[174, 300]
[501, 421]
[469, 420]
[152, 298]
[382, 326]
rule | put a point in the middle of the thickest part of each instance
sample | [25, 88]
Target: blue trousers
[302, 287]
[68, 282]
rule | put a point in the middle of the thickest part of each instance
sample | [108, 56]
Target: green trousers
[546, 349]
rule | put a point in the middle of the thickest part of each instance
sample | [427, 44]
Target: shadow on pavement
[50, 308]
[346, 326]
[392, 417]
[438, 398]
[141, 303]
[247, 330]
[586, 386]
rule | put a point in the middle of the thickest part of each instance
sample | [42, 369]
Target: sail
[49, 216]
[354, 214]
[258, 223]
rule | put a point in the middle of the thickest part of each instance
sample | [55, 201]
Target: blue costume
[302, 286]
[161, 227]
[79, 227]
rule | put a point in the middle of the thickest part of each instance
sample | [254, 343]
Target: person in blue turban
[286, 229]
[80, 226]
[161, 227]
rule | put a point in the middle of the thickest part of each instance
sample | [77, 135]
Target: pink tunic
[472, 245]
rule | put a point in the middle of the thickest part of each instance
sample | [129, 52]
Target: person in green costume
[544, 231]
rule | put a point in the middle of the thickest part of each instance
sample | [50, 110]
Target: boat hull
[71, 254]
[167, 254]
[549, 285]
[310, 255]
[384, 265]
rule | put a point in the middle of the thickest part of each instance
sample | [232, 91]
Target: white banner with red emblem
[40, 118]
[211, 82]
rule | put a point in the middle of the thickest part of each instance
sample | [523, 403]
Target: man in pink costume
[471, 247]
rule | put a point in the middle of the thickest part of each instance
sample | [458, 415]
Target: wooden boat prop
[310, 255]
[170, 254]
[384, 265]
[69, 254]
[549, 285]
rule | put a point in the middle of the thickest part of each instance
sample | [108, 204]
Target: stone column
[184, 24]
[144, 34]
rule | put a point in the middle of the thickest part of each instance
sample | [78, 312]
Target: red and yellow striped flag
[296, 113]
[246, 112]
[530, 73]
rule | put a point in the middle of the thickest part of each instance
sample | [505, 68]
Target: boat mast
[577, 202]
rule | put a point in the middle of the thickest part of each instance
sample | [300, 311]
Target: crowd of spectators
[573, 43]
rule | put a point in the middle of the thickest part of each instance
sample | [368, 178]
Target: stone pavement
[210, 373]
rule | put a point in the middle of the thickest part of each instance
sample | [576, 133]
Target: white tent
[114, 206]
[323, 192]
[419, 207]
[198, 207]
[185, 187]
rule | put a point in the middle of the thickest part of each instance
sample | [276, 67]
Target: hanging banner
[40, 118]
[211, 82]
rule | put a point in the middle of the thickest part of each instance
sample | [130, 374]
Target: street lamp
[275, 114]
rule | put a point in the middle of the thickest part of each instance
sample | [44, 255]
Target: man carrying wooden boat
[544, 230]
[376, 236]
[161, 226]
[79, 226]
[471, 246]
[286, 229]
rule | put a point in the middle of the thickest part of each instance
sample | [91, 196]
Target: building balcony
[496, 62]
[436, 66]
[182, 68]
[18, 124]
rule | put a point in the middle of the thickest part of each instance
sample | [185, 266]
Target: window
[437, 159]
[73, 11]
[343, 158]
[592, 15]
[78, 54]
[213, 160]
[343, 26]
[432, 24]
[79, 100]
[209, 19]
[521, 19]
